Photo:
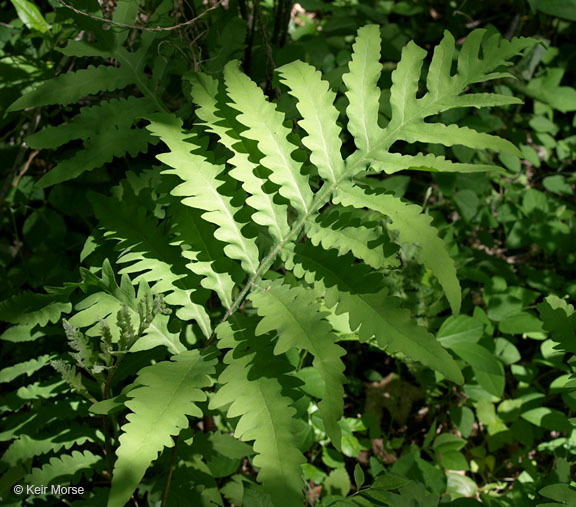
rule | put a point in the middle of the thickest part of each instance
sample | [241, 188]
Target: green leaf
[562, 493]
[460, 329]
[358, 476]
[319, 117]
[337, 482]
[30, 15]
[268, 213]
[295, 315]
[413, 227]
[265, 125]
[547, 418]
[72, 86]
[252, 386]
[26, 367]
[487, 368]
[201, 190]
[64, 468]
[160, 408]
[561, 8]
[460, 486]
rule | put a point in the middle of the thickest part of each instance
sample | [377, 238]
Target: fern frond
[27, 367]
[160, 408]
[444, 92]
[146, 250]
[265, 125]
[33, 309]
[91, 121]
[201, 190]
[359, 292]
[268, 213]
[65, 468]
[72, 86]
[319, 117]
[413, 227]
[116, 141]
[195, 238]
[110, 299]
[252, 386]
[363, 92]
[295, 315]
[338, 229]
[380, 315]
[26, 447]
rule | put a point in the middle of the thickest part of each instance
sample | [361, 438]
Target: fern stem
[173, 454]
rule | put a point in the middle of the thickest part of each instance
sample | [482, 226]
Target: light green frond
[413, 227]
[363, 92]
[319, 117]
[341, 231]
[266, 417]
[146, 250]
[195, 237]
[200, 190]
[268, 213]
[72, 86]
[64, 468]
[380, 315]
[295, 315]
[391, 163]
[449, 135]
[27, 367]
[169, 393]
[265, 125]
[357, 291]
[26, 447]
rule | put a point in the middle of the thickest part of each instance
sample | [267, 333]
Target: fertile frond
[201, 190]
[265, 125]
[160, 408]
[413, 227]
[252, 386]
[295, 315]
[109, 299]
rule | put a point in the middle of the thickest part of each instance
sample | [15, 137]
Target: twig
[25, 168]
[143, 28]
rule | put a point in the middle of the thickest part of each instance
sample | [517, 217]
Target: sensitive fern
[260, 236]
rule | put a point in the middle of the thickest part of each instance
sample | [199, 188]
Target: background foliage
[116, 268]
